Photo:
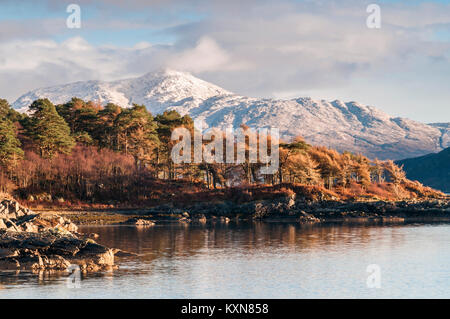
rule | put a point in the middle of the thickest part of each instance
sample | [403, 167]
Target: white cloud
[206, 56]
[259, 48]
[41, 63]
[18, 56]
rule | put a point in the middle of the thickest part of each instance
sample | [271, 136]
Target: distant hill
[431, 170]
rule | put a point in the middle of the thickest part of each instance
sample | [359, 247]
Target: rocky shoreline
[307, 211]
[289, 209]
[32, 241]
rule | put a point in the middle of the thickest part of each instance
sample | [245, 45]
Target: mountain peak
[166, 80]
[161, 73]
[158, 90]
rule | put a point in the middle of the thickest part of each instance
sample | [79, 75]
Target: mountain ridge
[342, 125]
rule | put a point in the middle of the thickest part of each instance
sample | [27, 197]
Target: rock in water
[139, 222]
[30, 241]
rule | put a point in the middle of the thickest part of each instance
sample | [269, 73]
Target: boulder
[139, 222]
[30, 227]
[200, 218]
[50, 250]
[308, 218]
[144, 222]
[47, 242]
[94, 257]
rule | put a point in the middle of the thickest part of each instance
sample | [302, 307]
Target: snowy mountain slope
[158, 90]
[344, 126]
[445, 130]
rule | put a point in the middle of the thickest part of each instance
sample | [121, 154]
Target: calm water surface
[258, 260]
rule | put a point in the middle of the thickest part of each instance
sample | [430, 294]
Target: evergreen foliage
[49, 130]
[10, 146]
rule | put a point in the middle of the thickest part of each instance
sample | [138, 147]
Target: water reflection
[179, 241]
[259, 260]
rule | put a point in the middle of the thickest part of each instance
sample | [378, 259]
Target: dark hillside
[431, 170]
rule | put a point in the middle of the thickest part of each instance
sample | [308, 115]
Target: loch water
[258, 260]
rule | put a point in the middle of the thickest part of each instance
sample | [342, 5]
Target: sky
[259, 48]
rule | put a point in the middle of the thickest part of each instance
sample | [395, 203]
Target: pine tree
[9, 113]
[4, 108]
[107, 134]
[137, 131]
[82, 119]
[167, 122]
[49, 130]
[10, 151]
[69, 112]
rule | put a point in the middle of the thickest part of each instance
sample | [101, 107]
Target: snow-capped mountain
[341, 125]
[157, 90]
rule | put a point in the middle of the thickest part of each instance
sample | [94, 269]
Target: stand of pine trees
[82, 151]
